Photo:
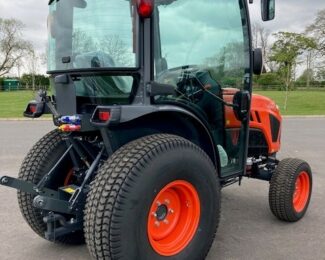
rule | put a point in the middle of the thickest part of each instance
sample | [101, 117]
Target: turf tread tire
[110, 189]
[282, 186]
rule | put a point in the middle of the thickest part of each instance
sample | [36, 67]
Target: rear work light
[104, 116]
[32, 108]
[73, 120]
[145, 8]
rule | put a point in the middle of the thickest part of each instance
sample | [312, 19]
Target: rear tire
[290, 190]
[143, 195]
[39, 160]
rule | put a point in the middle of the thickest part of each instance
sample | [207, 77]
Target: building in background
[10, 85]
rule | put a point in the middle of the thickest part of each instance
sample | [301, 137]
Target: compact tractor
[154, 114]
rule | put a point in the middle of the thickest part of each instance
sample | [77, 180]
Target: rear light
[32, 108]
[70, 123]
[73, 120]
[145, 8]
[70, 128]
[104, 116]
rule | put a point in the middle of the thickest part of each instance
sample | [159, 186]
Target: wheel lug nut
[171, 211]
[166, 221]
[154, 214]
[157, 224]
[167, 202]
[158, 203]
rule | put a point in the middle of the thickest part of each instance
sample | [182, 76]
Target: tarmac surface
[247, 229]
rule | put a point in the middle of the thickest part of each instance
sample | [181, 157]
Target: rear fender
[164, 119]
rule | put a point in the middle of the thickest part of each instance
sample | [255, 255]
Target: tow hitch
[63, 208]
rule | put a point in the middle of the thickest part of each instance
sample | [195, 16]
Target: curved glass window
[207, 35]
[92, 34]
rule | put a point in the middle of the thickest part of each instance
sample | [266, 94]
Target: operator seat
[99, 86]
[95, 59]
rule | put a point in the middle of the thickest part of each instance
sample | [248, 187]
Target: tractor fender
[170, 119]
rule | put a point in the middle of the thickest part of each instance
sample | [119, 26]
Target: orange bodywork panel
[264, 116]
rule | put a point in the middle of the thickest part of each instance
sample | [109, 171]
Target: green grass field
[299, 102]
[12, 104]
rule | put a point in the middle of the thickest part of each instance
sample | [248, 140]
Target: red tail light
[32, 108]
[104, 116]
[145, 8]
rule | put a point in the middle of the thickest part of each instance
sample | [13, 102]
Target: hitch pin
[4, 180]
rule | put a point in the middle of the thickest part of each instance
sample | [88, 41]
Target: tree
[317, 30]
[32, 64]
[114, 46]
[285, 51]
[82, 43]
[261, 39]
[12, 46]
[320, 75]
[269, 79]
[39, 80]
[228, 64]
[307, 74]
[1, 82]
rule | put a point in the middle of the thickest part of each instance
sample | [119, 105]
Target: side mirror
[257, 61]
[241, 103]
[268, 9]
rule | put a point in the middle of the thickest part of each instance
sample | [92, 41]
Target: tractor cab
[157, 56]
[154, 113]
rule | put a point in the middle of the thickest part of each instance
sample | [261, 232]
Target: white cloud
[33, 13]
[292, 15]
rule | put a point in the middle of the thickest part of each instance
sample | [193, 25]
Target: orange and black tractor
[154, 113]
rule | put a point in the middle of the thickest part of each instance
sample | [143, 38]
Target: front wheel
[290, 190]
[157, 197]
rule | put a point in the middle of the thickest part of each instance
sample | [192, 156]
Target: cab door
[203, 49]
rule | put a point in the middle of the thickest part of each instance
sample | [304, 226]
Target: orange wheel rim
[174, 218]
[301, 193]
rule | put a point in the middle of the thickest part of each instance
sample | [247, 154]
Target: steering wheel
[190, 87]
[183, 77]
